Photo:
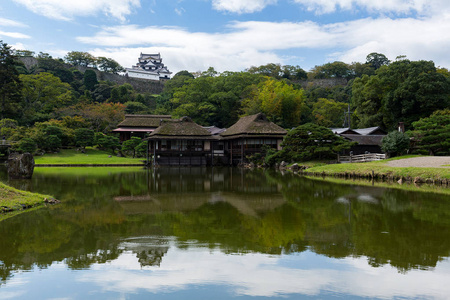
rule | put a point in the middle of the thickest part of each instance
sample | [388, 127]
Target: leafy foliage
[27, 145]
[310, 141]
[10, 84]
[84, 137]
[280, 102]
[433, 133]
[395, 143]
[131, 145]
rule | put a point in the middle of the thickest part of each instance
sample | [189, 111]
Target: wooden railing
[5, 143]
[361, 158]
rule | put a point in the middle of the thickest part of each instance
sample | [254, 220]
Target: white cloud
[383, 6]
[14, 35]
[241, 6]
[67, 10]
[255, 43]
[11, 23]
[266, 276]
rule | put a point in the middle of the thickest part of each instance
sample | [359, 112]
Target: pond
[222, 233]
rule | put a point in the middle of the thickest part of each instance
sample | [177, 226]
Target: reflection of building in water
[149, 251]
[187, 189]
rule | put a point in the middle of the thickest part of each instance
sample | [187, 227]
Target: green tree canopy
[432, 134]
[84, 137]
[90, 80]
[131, 144]
[279, 101]
[395, 143]
[310, 141]
[109, 65]
[79, 58]
[10, 83]
[42, 94]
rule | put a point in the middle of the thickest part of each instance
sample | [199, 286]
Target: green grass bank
[380, 170]
[13, 201]
[92, 157]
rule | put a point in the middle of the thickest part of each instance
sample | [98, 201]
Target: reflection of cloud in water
[265, 275]
[367, 199]
[342, 200]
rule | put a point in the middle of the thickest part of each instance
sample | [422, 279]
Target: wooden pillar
[242, 151]
[231, 152]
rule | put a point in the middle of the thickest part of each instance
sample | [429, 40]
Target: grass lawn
[91, 157]
[14, 201]
[380, 167]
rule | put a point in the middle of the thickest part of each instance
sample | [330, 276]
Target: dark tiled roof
[183, 128]
[143, 121]
[254, 125]
[364, 139]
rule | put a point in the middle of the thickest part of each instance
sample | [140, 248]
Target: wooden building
[368, 139]
[248, 135]
[181, 142]
[139, 125]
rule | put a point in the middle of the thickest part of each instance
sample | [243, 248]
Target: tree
[131, 144]
[328, 112]
[42, 94]
[132, 107]
[10, 84]
[8, 127]
[141, 149]
[335, 69]
[367, 99]
[90, 80]
[279, 101]
[432, 134]
[103, 117]
[27, 145]
[109, 65]
[395, 143]
[107, 141]
[376, 60]
[24, 53]
[402, 91]
[84, 137]
[78, 58]
[271, 70]
[52, 143]
[310, 141]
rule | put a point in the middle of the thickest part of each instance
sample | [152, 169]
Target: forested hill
[139, 85]
[82, 91]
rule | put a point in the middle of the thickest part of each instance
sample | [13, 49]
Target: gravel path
[422, 162]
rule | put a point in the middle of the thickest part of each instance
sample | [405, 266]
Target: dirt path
[422, 162]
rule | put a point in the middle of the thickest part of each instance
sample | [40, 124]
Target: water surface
[202, 233]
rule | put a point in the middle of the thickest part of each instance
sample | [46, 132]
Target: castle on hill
[149, 67]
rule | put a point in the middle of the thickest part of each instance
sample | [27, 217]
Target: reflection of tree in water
[241, 211]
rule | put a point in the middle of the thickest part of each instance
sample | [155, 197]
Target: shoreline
[14, 201]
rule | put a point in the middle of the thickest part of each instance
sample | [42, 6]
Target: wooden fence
[361, 158]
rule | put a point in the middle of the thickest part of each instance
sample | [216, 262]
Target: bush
[26, 145]
[395, 143]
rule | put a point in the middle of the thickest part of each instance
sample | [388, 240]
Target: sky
[231, 35]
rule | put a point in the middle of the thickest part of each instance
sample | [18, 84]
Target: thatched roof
[143, 121]
[254, 125]
[183, 128]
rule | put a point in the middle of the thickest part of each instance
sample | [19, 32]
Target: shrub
[395, 143]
